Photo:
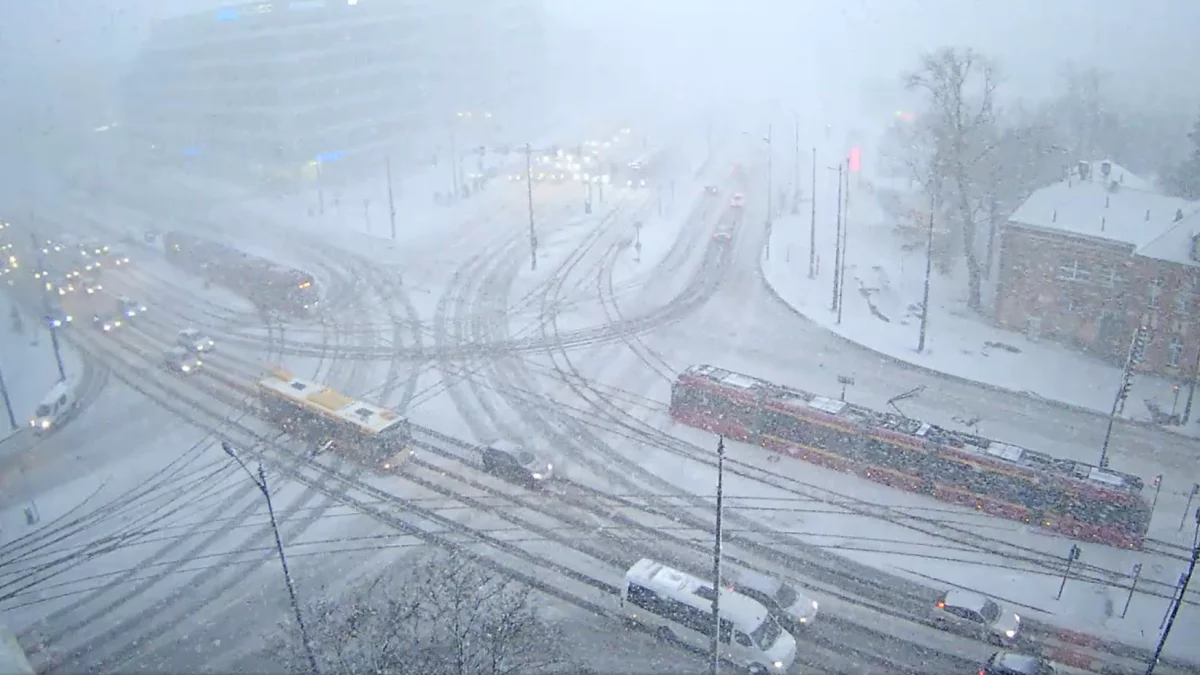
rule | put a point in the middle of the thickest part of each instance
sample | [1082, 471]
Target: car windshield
[785, 596]
[43, 410]
[766, 634]
[525, 458]
[990, 611]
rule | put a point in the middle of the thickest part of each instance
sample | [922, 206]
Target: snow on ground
[1086, 606]
[881, 311]
[28, 366]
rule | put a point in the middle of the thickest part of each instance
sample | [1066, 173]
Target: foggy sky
[789, 53]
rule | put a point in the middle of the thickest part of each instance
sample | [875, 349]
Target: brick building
[1087, 260]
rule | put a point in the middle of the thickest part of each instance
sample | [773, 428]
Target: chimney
[1105, 169]
[1084, 169]
[1178, 215]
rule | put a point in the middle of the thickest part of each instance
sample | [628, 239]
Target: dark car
[106, 322]
[1008, 663]
[512, 462]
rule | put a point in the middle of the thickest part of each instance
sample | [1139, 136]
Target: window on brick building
[1073, 271]
[1155, 292]
[1110, 277]
[1174, 352]
[1182, 301]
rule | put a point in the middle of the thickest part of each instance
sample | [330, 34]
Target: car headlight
[778, 665]
[185, 368]
[549, 467]
[45, 424]
[803, 619]
[1010, 633]
[537, 476]
[815, 605]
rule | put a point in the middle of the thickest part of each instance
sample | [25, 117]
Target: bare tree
[441, 614]
[959, 88]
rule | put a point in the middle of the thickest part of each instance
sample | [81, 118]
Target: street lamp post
[260, 481]
[812, 223]
[837, 246]
[62, 372]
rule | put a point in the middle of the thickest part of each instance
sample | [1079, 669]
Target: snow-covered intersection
[165, 560]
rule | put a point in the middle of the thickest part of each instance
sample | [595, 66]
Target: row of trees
[975, 160]
[441, 613]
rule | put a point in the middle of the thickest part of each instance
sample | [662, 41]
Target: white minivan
[678, 607]
[58, 406]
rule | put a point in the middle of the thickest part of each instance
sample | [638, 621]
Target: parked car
[513, 462]
[58, 318]
[976, 615]
[193, 340]
[181, 360]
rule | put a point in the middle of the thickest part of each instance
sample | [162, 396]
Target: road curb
[762, 275]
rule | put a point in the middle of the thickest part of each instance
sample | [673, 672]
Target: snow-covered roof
[1179, 244]
[1121, 207]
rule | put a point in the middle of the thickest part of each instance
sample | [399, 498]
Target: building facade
[285, 84]
[1090, 260]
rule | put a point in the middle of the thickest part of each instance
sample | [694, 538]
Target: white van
[58, 406]
[678, 607]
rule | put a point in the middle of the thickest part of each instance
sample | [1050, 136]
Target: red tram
[1069, 497]
[266, 284]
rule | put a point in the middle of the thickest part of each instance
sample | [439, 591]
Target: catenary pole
[812, 223]
[845, 243]
[391, 202]
[928, 275]
[529, 195]
[260, 481]
[715, 642]
[837, 246]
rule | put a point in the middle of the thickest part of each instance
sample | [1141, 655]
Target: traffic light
[855, 158]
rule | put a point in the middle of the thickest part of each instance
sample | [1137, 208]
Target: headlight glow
[778, 664]
[815, 605]
[45, 424]
[537, 476]
[1010, 633]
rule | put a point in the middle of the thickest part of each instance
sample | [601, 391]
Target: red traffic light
[855, 159]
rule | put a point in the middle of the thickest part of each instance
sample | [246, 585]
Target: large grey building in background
[274, 86]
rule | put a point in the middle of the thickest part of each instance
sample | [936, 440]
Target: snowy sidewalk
[881, 311]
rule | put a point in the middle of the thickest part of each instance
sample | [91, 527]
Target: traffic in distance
[761, 617]
[1072, 498]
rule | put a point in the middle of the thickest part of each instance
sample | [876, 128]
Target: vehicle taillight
[941, 605]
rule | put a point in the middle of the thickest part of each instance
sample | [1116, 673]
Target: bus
[1073, 498]
[378, 437]
[678, 608]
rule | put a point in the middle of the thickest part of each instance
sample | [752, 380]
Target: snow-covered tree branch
[438, 614]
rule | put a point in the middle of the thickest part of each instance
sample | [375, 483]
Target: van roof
[745, 613]
[59, 389]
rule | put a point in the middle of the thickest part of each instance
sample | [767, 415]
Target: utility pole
[529, 194]
[770, 209]
[1162, 639]
[1136, 345]
[454, 162]
[387, 165]
[715, 642]
[1187, 408]
[812, 224]
[260, 481]
[928, 274]
[796, 179]
[12, 419]
[62, 372]
[845, 243]
[837, 246]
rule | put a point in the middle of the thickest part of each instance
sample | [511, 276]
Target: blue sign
[227, 14]
[329, 156]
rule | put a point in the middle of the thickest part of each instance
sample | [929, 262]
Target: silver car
[193, 340]
[793, 610]
[976, 615]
